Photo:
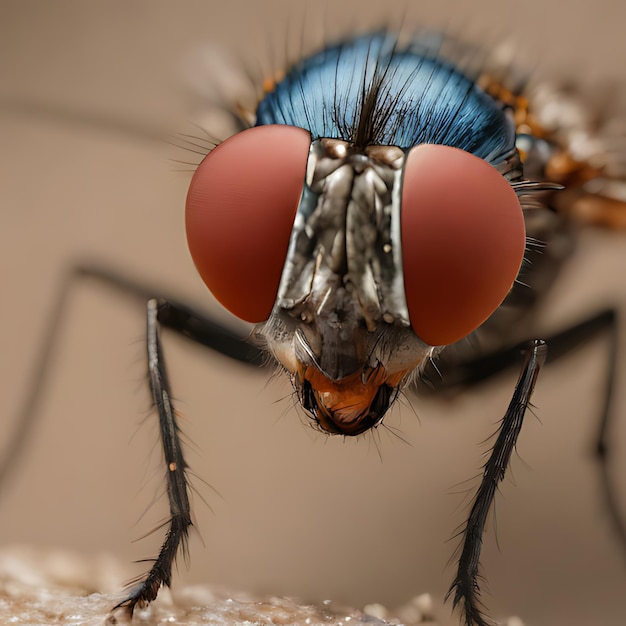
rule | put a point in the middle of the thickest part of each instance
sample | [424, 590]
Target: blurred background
[84, 87]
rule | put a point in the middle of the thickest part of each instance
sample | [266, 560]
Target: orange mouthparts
[351, 405]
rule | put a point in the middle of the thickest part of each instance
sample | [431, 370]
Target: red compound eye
[463, 240]
[241, 206]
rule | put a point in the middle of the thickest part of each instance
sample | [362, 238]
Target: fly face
[395, 231]
[340, 326]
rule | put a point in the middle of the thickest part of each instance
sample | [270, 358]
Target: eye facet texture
[463, 240]
[240, 210]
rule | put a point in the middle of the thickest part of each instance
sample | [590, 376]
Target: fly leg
[168, 313]
[147, 587]
[465, 588]
[189, 323]
[560, 344]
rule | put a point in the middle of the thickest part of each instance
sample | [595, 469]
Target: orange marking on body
[348, 400]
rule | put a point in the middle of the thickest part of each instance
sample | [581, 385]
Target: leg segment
[465, 588]
[202, 330]
[179, 522]
[560, 344]
[190, 323]
[186, 320]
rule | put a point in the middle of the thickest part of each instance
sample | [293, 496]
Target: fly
[379, 207]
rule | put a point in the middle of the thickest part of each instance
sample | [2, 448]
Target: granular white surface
[46, 587]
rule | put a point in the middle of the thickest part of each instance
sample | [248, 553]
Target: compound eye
[241, 206]
[463, 240]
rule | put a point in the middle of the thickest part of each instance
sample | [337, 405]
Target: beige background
[298, 513]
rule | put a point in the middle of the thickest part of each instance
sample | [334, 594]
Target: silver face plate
[342, 292]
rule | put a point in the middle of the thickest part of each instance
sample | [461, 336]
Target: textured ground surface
[38, 587]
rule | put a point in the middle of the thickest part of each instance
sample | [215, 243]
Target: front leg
[465, 588]
[176, 537]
